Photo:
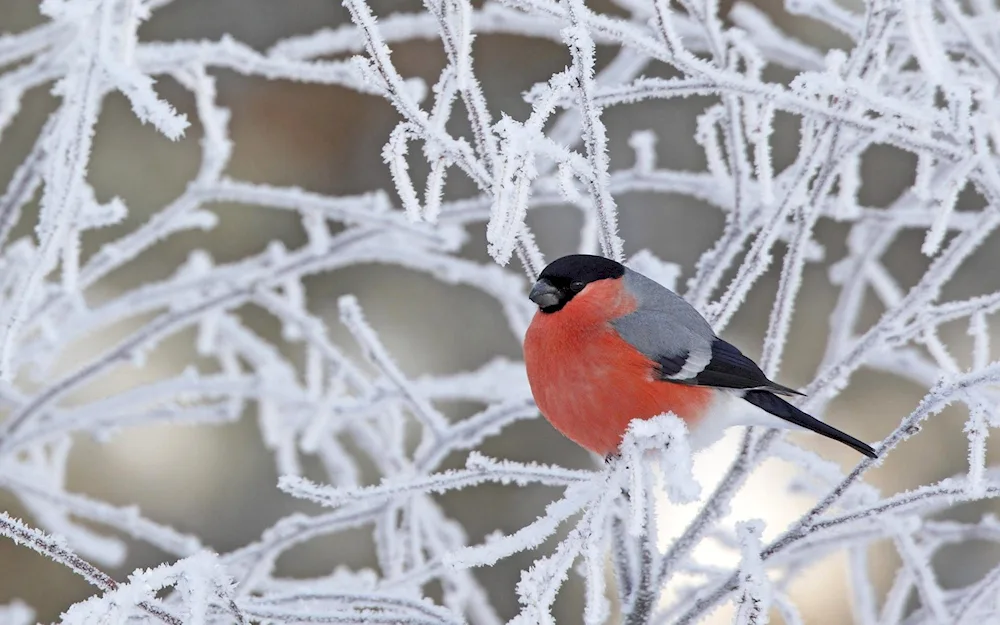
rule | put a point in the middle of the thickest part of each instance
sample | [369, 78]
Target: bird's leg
[610, 460]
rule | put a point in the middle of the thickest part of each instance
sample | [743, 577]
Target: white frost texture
[363, 443]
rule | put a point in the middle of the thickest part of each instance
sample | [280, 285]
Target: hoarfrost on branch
[921, 76]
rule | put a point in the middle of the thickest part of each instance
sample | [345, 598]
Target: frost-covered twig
[55, 549]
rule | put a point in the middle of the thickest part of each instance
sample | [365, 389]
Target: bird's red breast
[588, 382]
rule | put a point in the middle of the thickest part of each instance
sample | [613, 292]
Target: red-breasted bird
[608, 345]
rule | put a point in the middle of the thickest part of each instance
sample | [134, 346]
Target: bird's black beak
[544, 294]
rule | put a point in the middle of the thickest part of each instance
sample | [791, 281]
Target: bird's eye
[577, 286]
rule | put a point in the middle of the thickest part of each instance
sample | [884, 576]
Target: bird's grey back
[663, 324]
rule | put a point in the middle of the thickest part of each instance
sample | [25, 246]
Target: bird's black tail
[771, 403]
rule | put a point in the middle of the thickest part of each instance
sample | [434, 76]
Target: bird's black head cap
[564, 277]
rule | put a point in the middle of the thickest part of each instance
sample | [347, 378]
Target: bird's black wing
[729, 368]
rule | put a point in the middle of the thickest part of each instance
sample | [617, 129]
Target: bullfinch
[608, 345]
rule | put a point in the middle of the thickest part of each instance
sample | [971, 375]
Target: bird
[608, 345]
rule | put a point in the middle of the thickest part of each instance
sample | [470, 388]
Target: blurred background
[219, 482]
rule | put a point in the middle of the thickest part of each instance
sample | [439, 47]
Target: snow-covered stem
[55, 549]
[594, 134]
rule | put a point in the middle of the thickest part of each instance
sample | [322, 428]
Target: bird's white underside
[728, 408]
